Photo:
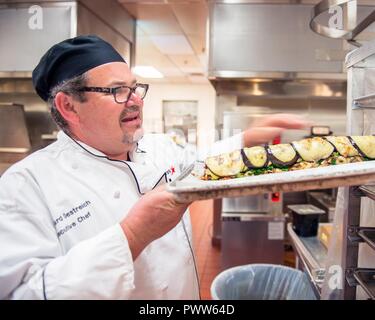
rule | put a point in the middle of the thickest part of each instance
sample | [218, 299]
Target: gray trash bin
[262, 282]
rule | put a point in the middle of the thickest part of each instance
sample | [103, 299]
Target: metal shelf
[365, 102]
[313, 255]
[362, 276]
[366, 279]
[355, 209]
[368, 191]
[368, 236]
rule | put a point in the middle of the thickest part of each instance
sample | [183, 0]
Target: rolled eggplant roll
[255, 157]
[313, 149]
[282, 154]
[226, 164]
[366, 145]
[343, 146]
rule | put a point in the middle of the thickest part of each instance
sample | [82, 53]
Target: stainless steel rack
[366, 102]
[312, 255]
[355, 234]
[368, 191]
[360, 104]
[366, 279]
[352, 246]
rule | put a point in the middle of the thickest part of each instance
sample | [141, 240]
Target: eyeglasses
[121, 94]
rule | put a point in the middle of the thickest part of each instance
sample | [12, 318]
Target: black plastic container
[305, 219]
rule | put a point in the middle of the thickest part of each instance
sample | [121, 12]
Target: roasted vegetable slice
[255, 157]
[343, 146]
[366, 145]
[282, 154]
[226, 164]
[313, 149]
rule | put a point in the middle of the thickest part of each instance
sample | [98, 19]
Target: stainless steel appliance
[251, 238]
[14, 136]
[252, 228]
[234, 122]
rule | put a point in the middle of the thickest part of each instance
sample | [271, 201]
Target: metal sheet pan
[188, 187]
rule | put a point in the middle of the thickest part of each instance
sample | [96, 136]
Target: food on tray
[303, 154]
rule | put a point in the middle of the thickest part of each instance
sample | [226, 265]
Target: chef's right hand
[153, 215]
[267, 128]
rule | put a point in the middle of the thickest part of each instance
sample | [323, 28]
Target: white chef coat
[60, 235]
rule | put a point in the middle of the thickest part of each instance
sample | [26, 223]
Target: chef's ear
[64, 104]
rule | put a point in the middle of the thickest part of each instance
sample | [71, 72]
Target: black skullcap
[71, 58]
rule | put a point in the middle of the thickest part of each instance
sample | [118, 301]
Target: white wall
[203, 93]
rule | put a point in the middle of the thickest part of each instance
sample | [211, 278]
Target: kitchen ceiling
[171, 36]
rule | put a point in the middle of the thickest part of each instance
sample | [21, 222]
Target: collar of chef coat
[144, 171]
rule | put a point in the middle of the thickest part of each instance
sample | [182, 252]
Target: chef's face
[104, 124]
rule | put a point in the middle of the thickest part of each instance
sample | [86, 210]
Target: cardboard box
[324, 233]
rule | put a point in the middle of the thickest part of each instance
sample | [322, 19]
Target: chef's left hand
[270, 127]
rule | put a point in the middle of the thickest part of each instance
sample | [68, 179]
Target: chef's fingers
[260, 135]
[176, 200]
[283, 120]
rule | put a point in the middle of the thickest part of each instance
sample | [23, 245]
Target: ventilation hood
[269, 50]
[28, 30]
[14, 136]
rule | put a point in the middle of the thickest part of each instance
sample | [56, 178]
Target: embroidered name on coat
[72, 218]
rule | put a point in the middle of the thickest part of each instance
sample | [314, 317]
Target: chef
[88, 216]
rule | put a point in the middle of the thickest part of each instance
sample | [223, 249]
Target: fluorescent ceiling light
[147, 72]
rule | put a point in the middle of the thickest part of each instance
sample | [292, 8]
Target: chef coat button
[116, 195]
[190, 260]
[74, 166]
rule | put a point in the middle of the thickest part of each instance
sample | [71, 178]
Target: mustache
[128, 110]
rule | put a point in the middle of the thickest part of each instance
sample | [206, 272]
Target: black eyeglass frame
[113, 90]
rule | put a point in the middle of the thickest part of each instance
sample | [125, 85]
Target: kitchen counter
[311, 257]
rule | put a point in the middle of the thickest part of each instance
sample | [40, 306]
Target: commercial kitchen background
[221, 65]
